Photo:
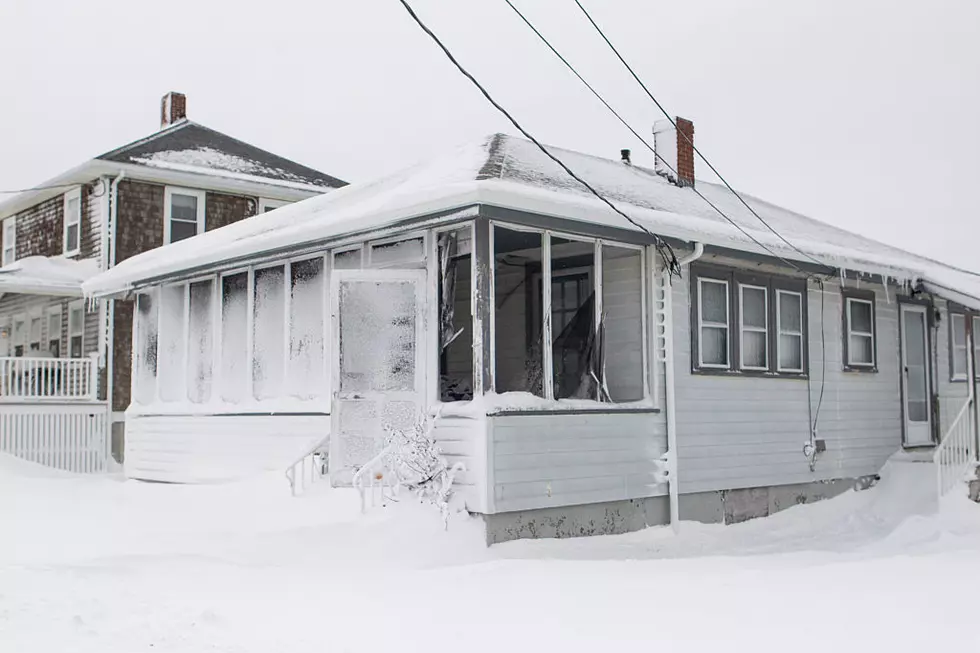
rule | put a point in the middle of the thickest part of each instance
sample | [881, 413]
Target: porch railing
[957, 453]
[308, 468]
[56, 379]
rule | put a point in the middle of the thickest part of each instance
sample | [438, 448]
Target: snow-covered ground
[101, 564]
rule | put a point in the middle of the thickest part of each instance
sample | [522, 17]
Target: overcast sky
[860, 113]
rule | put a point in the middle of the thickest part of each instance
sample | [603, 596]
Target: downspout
[111, 315]
[673, 486]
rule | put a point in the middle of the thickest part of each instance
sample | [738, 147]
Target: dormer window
[183, 214]
[73, 222]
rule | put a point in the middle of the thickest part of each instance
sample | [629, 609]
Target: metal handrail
[307, 462]
[957, 452]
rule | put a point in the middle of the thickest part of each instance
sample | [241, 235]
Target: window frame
[52, 311]
[780, 331]
[727, 365]
[866, 297]
[742, 328]
[40, 316]
[736, 279]
[953, 348]
[169, 192]
[74, 193]
[21, 340]
[266, 204]
[11, 246]
[78, 304]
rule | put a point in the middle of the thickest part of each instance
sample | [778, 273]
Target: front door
[379, 371]
[915, 375]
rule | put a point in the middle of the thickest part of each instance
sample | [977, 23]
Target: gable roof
[512, 173]
[191, 147]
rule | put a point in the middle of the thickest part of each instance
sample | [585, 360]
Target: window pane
[183, 207]
[35, 341]
[182, 230]
[860, 350]
[622, 322]
[754, 349]
[714, 346]
[349, 260]
[172, 381]
[72, 211]
[574, 356]
[71, 239]
[76, 320]
[860, 315]
[958, 327]
[402, 252]
[455, 316]
[714, 301]
[75, 347]
[234, 343]
[976, 346]
[790, 312]
[790, 352]
[307, 377]
[518, 296]
[753, 307]
[269, 332]
[146, 348]
[200, 352]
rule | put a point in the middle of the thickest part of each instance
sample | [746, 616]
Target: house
[591, 376]
[55, 349]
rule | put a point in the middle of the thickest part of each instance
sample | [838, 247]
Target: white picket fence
[48, 378]
[72, 437]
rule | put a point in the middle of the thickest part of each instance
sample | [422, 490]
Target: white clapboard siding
[72, 437]
[463, 440]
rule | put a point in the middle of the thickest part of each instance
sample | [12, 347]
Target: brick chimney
[685, 152]
[173, 108]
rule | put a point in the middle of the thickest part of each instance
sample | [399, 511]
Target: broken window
[517, 259]
[172, 343]
[268, 332]
[622, 322]
[573, 332]
[455, 316]
[307, 376]
[234, 338]
[147, 323]
[200, 347]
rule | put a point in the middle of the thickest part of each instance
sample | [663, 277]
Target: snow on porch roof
[40, 275]
[512, 173]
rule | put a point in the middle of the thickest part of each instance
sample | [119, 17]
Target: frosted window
[349, 260]
[200, 345]
[573, 350]
[377, 336]
[713, 329]
[172, 342]
[147, 323]
[622, 320]
[269, 333]
[234, 337]
[860, 337]
[404, 253]
[307, 378]
[789, 324]
[518, 337]
[958, 346]
[917, 385]
[755, 334]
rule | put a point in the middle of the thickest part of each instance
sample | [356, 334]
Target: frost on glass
[269, 332]
[403, 253]
[307, 378]
[622, 320]
[360, 432]
[377, 336]
[455, 317]
[147, 317]
[517, 260]
[171, 344]
[575, 358]
[200, 343]
[917, 385]
[347, 260]
[234, 338]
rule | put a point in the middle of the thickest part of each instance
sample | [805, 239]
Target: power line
[662, 246]
[696, 150]
[643, 140]
[28, 190]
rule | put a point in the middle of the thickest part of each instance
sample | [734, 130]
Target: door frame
[419, 278]
[924, 306]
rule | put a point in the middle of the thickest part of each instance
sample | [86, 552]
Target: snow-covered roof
[41, 275]
[510, 172]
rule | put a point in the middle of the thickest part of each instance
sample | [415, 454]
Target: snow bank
[492, 403]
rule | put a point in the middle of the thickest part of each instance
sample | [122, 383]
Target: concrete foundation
[725, 506]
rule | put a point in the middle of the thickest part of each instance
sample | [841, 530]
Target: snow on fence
[957, 453]
[48, 378]
[72, 437]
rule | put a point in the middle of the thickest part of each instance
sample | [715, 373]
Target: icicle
[843, 273]
[884, 286]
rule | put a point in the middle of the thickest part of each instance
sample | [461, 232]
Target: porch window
[72, 221]
[518, 337]
[9, 239]
[859, 336]
[958, 346]
[34, 344]
[147, 329]
[234, 337]
[408, 253]
[20, 335]
[200, 345]
[349, 259]
[268, 332]
[713, 319]
[623, 322]
[307, 371]
[172, 343]
[183, 211]
[574, 356]
[789, 328]
[455, 315]
[753, 327]
[54, 331]
[76, 329]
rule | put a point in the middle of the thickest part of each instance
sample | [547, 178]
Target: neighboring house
[183, 180]
[585, 387]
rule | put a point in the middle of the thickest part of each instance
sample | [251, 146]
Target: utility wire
[662, 246]
[28, 190]
[696, 150]
[644, 141]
